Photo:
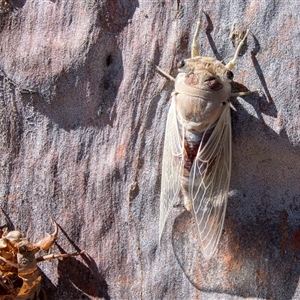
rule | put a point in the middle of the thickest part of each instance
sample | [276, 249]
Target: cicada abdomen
[197, 148]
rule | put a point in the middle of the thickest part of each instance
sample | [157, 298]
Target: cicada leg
[162, 72]
[239, 94]
[187, 202]
[195, 47]
[232, 63]
[62, 255]
[49, 240]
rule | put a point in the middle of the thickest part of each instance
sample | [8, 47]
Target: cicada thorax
[202, 90]
[28, 270]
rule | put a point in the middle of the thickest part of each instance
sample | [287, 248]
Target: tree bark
[81, 130]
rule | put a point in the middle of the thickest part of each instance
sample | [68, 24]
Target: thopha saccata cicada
[20, 278]
[197, 147]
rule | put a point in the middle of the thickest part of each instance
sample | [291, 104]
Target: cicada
[20, 277]
[197, 147]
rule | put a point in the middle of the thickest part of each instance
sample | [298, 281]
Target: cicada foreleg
[195, 46]
[232, 63]
[162, 72]
[61, 255]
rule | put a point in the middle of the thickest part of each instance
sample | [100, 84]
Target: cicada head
[26, 258]
[204, 77]
[25, 247]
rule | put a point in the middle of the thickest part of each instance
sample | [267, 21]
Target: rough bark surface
[82, 120]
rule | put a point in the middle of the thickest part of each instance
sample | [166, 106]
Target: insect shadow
[259, 72]
[9, 223]
[71, 102]
[209, 29]
[82, 281]
[83, 94]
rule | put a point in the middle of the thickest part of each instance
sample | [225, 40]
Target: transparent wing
[171, 166]
[209, 183]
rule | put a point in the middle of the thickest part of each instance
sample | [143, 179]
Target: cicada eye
[180, 64]
[229, 75]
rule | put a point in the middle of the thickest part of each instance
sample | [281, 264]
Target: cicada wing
[171, 166]
[209, 183]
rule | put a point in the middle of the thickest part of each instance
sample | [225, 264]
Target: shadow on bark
[243, 266]
[75, 281]
[84, 94]
[88, 100]
[80, 280]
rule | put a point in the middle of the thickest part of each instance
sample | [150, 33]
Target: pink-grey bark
[82, 118]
